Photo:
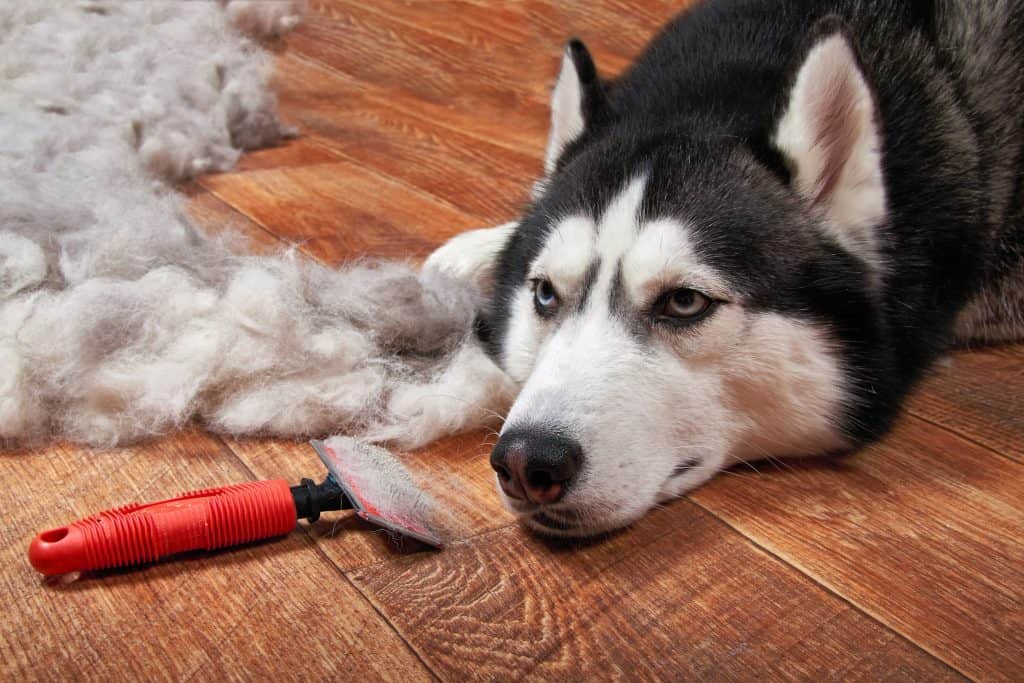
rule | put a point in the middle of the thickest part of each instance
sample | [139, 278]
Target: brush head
[380, 488]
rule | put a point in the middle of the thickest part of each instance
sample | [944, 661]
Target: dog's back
[984, 44]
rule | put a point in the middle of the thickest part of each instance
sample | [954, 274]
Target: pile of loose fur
[120, 321]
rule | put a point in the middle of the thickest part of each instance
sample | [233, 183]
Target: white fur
[742, 385]
[829, 129]
[468, 392]
[567, 255]
[620, 223]
[662, 259]
[119, 321]
[523, 337]
[566, 113]
[22, 264]
[470, 256]
[265, 18]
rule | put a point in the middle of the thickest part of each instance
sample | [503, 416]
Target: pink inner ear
[836, 126]
[830, 134]
[829, 122]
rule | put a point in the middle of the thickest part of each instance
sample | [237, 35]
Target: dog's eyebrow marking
[619, 305]
[588, 284]
[620, 222]
[617, 229]
[616, 295]
[567, 255]
[662, 258]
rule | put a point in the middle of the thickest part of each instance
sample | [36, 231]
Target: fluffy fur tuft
[119, 321]
[265, 18]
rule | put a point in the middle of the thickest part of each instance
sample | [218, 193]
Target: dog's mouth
[567, 521]
[553, 521]
[570, 525]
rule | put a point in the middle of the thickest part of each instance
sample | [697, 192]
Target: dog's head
[675, 299]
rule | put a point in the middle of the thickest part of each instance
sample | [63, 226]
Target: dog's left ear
[577, 101]
[830, 134]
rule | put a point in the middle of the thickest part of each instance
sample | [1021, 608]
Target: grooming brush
[362, 477]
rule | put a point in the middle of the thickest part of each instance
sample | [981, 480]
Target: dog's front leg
[471, 256]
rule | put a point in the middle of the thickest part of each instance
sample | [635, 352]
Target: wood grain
[980, 396]
[302, 151]
[464, 171]
[275, 606]
[214, 217]
[679, 596]
[340, 211]
[922, 531]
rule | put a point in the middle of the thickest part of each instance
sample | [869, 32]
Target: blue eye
[545, 299]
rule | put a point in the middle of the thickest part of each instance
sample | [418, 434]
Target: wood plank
[622, 27]
[925, 531]
[265, 610]
[679, 596]
[340, 211]
[521, 128]
[493, 28]
[466, 172]
[294, 152]
[390, 110]
[377, 47]
[514, 115]
[490, 45]
[521, 34]
[978, 394]
[216, 218]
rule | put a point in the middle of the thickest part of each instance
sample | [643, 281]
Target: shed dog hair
[120, 321]
[751, 244]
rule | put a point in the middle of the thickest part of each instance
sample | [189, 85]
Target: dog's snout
[536, 465]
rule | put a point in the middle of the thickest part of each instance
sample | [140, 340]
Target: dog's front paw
[471, 256]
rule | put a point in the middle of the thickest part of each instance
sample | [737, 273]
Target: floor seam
[949, 430]
[311, 60]
[327, 558]
[830, 590]
[285, 243]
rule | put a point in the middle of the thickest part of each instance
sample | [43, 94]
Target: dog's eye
[682, 304]
[545, 299]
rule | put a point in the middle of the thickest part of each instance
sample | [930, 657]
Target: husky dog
[752, 244]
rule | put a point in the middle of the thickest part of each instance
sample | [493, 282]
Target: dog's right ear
[831, 135]
[577, 101]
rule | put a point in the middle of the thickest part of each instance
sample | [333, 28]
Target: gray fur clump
[120, 321]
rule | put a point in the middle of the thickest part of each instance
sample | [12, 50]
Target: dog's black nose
[536, 465]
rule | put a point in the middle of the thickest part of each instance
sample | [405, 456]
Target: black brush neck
[311, 498]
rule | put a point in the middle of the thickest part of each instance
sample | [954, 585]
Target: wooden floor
[421, 119]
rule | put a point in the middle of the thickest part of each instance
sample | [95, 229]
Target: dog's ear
[830, 134]
[577, 101]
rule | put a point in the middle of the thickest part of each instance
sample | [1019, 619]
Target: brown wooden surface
[420, 119]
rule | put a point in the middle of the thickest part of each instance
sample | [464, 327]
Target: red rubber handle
[138, 533]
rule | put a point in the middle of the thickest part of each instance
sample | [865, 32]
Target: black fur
[697, 113]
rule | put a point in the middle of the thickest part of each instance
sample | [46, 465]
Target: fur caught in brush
[120, 321]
